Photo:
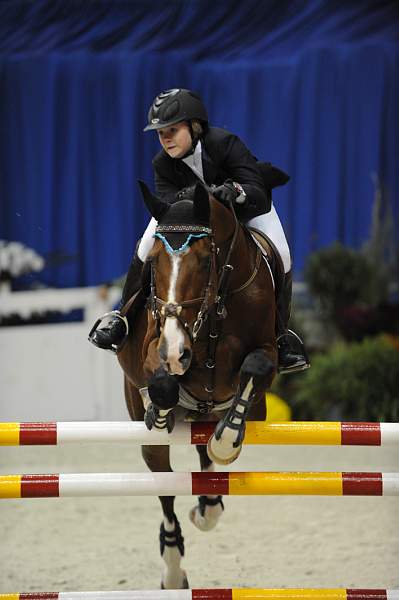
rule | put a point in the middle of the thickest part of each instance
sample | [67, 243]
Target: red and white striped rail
[217, 594]
[187, 484]
[285, 432]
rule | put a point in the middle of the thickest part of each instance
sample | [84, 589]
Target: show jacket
[224, 156]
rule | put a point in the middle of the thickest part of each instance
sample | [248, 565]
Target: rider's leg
[114, 332]
[291, 353]
[271, 226]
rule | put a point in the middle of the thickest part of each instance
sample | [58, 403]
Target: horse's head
[184, 272]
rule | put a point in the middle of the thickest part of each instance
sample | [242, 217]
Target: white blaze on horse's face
[173, 338]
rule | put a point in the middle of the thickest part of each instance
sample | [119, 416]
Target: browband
[182, 229]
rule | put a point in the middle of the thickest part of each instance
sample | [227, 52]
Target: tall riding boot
[112, 335]
[292, 356]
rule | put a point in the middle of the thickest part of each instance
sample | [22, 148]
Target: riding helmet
[173, 106]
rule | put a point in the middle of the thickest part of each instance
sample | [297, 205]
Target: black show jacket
[224, 156]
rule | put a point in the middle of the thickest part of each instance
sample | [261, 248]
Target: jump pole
[199, 483]
[333, 433]
[217, 594]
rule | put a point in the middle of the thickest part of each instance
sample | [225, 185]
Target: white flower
[17, 259]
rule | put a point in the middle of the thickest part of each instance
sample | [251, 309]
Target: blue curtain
[311, 86]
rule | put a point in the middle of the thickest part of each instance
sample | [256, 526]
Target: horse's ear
[155, 205]
[201, 204]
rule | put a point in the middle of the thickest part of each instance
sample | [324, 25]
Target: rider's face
[176, 139]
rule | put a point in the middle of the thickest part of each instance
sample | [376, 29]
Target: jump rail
[290, 432]
[216, 594]
[188, 484]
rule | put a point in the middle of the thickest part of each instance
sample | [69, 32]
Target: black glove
[225, 193]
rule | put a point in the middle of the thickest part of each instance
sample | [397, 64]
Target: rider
[192, 151]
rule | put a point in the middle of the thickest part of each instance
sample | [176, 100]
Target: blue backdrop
[310, 86]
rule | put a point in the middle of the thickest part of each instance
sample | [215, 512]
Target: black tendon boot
[112, 335]
[292, 355]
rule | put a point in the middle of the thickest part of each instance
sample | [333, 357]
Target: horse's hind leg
[157, 459]
[256, 375]
[206, 513]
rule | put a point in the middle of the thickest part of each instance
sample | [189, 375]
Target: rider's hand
[225, 193]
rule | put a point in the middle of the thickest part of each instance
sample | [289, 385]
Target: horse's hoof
[201, 522]
[220, 455]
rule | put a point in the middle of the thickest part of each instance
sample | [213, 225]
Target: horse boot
[292, 356]
[112, 335]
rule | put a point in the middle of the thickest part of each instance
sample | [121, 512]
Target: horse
[204, 348]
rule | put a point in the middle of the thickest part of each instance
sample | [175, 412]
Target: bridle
[161, 309]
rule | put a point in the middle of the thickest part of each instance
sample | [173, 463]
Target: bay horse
[205, 347]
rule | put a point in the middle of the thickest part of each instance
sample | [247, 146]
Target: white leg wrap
[173, 576]
[270, 224]
[147, 241]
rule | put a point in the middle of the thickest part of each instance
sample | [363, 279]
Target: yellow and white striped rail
[284, 432]
[217, 594]
[187, 484]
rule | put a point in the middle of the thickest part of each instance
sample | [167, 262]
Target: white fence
[52, 372]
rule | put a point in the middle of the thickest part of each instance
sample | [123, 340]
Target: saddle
[272, 257]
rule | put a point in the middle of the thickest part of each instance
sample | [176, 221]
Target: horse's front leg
[163, 390]
[256, 375]
[171, 539]
[207, 512]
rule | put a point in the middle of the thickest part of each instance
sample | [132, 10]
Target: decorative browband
[182, 229]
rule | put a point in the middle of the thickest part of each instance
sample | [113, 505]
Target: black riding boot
[292, 355]
[111, 335]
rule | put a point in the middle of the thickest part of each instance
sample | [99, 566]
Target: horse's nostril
[163, 351]
[186, 356]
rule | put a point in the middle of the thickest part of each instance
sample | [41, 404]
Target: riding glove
[226, 193]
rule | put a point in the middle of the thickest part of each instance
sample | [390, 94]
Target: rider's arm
[242, 167]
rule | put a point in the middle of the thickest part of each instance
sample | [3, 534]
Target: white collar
[194, 156]
[194, 161]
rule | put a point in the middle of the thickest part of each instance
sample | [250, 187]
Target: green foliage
[338, 277]
[349, 382]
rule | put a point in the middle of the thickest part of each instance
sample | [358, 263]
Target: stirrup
[293, 369]
[302, 351]
[115, 348]
[290, 332]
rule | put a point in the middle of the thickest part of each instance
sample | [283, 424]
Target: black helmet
[175, 105]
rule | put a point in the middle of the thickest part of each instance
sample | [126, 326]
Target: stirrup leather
[115, 348]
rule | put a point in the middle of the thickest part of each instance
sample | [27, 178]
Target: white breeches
[147, 241]
[269, 223]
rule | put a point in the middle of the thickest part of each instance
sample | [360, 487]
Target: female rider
[192, 151]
